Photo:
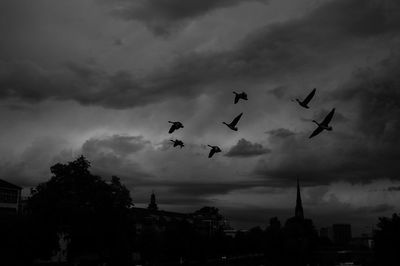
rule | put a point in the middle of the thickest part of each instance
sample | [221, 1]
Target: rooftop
[5, 184]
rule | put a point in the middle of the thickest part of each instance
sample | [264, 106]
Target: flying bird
[232, 125]
[239, 96]
[175, 126]
[214, 149]
[305, 102]
[324, 124]
[178, 142]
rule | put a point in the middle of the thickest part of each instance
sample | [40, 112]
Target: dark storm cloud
[273, 52]
[368, 152]
[109, 156]
[376, 209]
[376, 90]
[393, 189]
[89, 85]
[245, 148]
[279, 91]
[280, 133]
[210, 188]
[32, 166]
[119, 145]
[32, 83]
[193, 193]
[164, 16]
[334, 157]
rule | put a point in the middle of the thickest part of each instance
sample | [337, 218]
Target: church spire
[299, 206]
[153, 204]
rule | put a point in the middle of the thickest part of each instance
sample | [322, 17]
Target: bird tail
[170, 122]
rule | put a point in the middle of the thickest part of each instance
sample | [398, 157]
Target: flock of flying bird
[324, 125]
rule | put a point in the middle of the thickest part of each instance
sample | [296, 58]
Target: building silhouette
[326, 232]
[205, 221]
[341, 233]
[153, 204]
[299, 214]
[300, 235]
[298, 217]
[10, 198]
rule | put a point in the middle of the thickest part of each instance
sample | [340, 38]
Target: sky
[102, 78]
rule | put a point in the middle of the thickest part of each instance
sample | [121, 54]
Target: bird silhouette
[175, 126]
[324, 124]
[239, 96]
[232, 125]
[305, 102]
[178, 142]
[214, 149]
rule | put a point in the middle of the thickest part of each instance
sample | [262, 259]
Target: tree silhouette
[387, 240]
[93, 213]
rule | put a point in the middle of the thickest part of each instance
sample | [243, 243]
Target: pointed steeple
[153, 204]
[299, 206]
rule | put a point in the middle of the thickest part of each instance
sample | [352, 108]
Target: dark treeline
[97, 220]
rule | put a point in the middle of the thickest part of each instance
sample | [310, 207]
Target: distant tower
[153, 205]
[299, 206]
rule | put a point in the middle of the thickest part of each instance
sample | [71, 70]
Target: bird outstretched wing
[236, 120]
[309, 96]
[211, 153]
[328, 118]
[236, 98]
[172, 129]
[316, 132]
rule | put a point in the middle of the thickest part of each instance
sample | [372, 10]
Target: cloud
[362, 150]
[163, 17]
[376, 209]
[272, 53]
[280, 133]
[116, 144]
[279, 91]
[108, 156]
[245, 148]
[210, 188]
[376, 93]
[32, 165]
[393, 188]
[330, 158]
[112, 155]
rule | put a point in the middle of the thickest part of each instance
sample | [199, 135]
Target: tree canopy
[92, 212]
[387, 240]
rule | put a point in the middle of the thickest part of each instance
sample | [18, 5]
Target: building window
[8, 196]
